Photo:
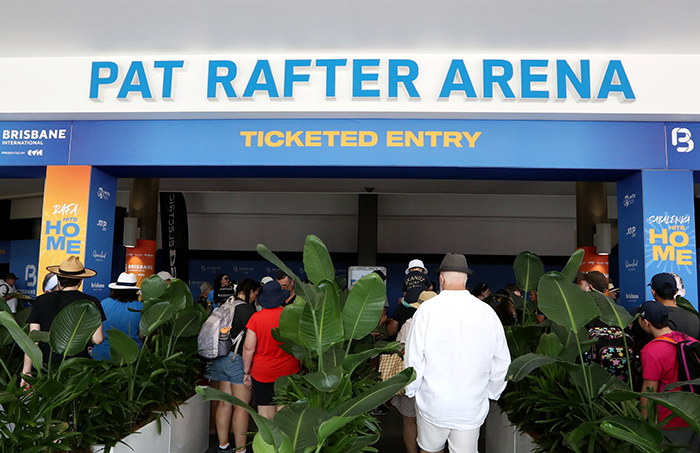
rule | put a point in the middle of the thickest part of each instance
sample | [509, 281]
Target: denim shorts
[228, 368]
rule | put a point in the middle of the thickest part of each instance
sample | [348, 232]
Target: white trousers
[432, 438]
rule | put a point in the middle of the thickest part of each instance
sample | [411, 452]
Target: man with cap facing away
[458, 348]
[592, 280]
[660, 368]
[70, 273]
[664, 289]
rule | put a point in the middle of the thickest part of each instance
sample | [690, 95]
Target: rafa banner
[141, 260]
[77, 219]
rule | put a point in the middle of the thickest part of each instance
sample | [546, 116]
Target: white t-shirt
[458, 348]
[5, 288]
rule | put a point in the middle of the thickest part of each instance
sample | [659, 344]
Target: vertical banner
[141, 260]
[174, 232]
[656, 218]
[77, 219]
[24, 258]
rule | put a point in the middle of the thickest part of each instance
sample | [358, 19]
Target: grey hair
[206, 286]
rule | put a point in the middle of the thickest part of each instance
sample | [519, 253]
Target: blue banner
[100, 233]
[24, 261]
[371, 143]
[34, 143]
[4, 252]
[630, 218]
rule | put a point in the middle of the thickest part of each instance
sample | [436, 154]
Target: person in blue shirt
[123, 295]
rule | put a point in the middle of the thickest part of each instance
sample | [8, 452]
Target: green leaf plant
[327, 407]
[567, 403]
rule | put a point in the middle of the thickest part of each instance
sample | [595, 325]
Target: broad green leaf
[677, 384]
[123, 349]
[686, 305]
[375, 395]
[625, 434]
[155, 316]
[598, 375]
[260, 446]
[364, 307]
[362, 443]
[73, 327]
[39, 336]
[317, 261]
[334, 356]
[564, 302]
[4, 307]
[353, 360]
[300, 423]
[300, 287]
[187, 324]
[528, 269]
[550, 345]
[321, 327]
[325, 380]
[330, 426]
[22, 339]
[297, 350]
[641, 427]
[523, 365]
[178, 294]
[611, 313]
[572, 266]
[683, 404]
[267, 429]
[153, 288]
[290, 322]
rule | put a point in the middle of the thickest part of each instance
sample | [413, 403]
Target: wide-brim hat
[425, 295]
[454, 262]
[71, 267]
[125, 281]
[272, 295]
[416, 263]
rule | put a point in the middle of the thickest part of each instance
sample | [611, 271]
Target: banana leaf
[375, 395]
[39, 336]
[351, 361]
[22, 339]
[550, 345]
[317, 261]
[290, 323]
[4, 307]
[330, 426]
[326, 380]
[187, 324]
[683, 404]
[334, 356]
[624, 433]
[123, 349]
[320, 328]
[599, 378]
[73, 327]
[155, 316]
[611, 313]
[153, 288]
[300, 287]
[523, 365]
[564, 302]
[300, 423]
[363, 307]
[573, 265]
[686, 305]
[178, 294]
[528, 269]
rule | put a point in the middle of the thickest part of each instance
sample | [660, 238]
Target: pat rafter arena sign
[440, 83]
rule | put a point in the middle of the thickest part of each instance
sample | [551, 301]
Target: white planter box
[186, 433]
[502, 437]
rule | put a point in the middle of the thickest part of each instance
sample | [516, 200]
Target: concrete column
[367, 229]
[143, 204]
[591, 208]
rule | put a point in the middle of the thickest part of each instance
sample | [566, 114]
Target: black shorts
[264, 393]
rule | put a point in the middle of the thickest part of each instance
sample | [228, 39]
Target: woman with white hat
[123, 298]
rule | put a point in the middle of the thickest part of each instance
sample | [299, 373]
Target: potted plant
[327, 408]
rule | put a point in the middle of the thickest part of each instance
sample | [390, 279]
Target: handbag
[389, 366]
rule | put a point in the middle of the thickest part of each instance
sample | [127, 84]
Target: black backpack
[688, 356]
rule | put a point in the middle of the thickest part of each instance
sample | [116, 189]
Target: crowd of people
[448, 401]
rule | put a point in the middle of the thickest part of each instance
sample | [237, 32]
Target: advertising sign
[175, 234]
[141, 260]
[34, 143]
[24, 260]
[594, 262]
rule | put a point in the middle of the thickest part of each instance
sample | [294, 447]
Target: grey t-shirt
[684, 321]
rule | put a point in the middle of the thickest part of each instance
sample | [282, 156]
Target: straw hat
[71, 267]
[425, 295]
[125, 281]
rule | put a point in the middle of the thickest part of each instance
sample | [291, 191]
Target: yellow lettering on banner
[261, 135]
[411, 137]
[331, 136]
[452, 138]
[278, 134]
[373, 138]
[248, 137]
[666, 254]
[684, 239]
[293, 138]
[433, 137]
[348, 138]
[684, 258]
[472, 138]
[313, 138]
[394, 138]
[653, 236]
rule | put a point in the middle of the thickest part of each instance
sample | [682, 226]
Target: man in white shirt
[458, 348]
[7, 288]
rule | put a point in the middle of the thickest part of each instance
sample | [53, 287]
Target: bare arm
[99, 336]
[393, 327]
[251, 342]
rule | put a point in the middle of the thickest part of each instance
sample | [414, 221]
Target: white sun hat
[125, 281]
[416, 263]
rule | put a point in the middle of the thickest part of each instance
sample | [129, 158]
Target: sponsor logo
[69, 209]
[102, 224]
[630, 296]
[235, 268]
[99, 256]
[31, 137]
[631, 265]
[632, 231]
[681, 135]
[667, 219]
[96, 285]
[629, 199]
[35, 152]
[103, 194]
